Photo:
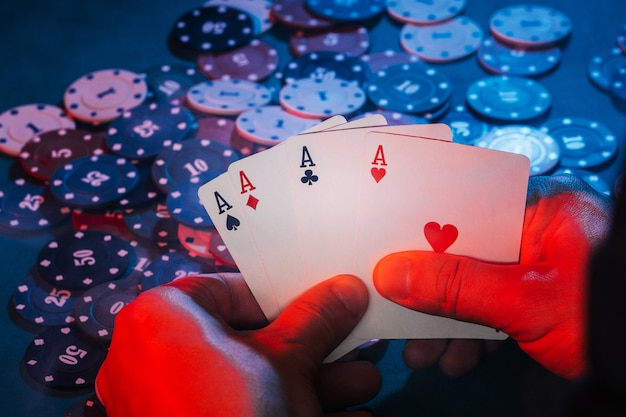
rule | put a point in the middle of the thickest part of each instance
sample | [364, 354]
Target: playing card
[432, 195]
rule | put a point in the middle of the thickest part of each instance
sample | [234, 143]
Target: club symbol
[309, 178]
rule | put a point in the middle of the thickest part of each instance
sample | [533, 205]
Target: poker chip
[466, 129]
[153, 223]
[84, 259]
[196, 241]
[508, 98]
[19, 124]
[444, 42]
[594, 180]
[498, 58]
[144, 131]
[185, 206]
[381, 60]
[212, 29]
[85, 408]
[38, 302]
[342, 11]
[617, 89]
[244, 146]
[191, 161]
[270, 125]
[107, 222]
[227, 97]
[539, 147]
[169, 83]
[621, 38]
[316, 98]
[102, 96]
[97, 308]
[353, 40]
[253, 62]
[529, 25]
[168, 267]
[395, 118]
[220, 251]
[436, 114]
[584, 143]
[325, 65]
[602, 67]
[409, 88]
[294, 14]
[215, 128]
[424, 13]
[43, 154]
[29, 207]
[63, 358]
[258, 10]
[142, 194]
[94, 181]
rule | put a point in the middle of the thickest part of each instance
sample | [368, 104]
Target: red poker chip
[196, 241]
[253, 62]
[215, 128]
[353, 40]
[220, 251]
[42, 155]
[294, 14]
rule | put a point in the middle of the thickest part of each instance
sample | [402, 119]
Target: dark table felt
[46, 45]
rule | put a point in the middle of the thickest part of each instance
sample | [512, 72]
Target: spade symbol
[232, 223]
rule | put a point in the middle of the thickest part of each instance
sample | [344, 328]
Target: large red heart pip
[378, 173]
[440, 238]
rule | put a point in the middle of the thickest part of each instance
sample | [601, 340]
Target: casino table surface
[46, 45]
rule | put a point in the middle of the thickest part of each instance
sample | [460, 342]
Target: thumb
[452, 286]
[318, 320]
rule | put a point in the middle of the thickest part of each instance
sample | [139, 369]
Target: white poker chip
[424, 13]
[227, 97]
[102, 96]
[270, 125]
[20, 124]
[542, 150]
[321, 98]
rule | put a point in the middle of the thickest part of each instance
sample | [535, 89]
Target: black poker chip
[170, 266]
[84, 259]
[98, 307]
[90, 407]
[63, 358]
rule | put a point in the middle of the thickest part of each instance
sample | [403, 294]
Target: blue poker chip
[594, 180]
[97, 308]
[28, 207]
[227, 97]
[169, 83]
[542, 150]
[584, 143]
[507, 98]
[143, 194]
[530, 26]
[185, 206]
[94, 181]
[153, 224]
[324, 65]
[63, 358]
[466, 128]
[342, 11]
[315, 98]
[191, 160]
[395, 118]
[617, 89]
[212, 29]
[84, 259]
[145, 130]
[409, 88]
[269, 125]
[424, 13]
[170, 266]
[40, 303]
[499, 58]
[602, 67]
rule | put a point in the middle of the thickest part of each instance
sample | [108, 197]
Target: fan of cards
[338, 197]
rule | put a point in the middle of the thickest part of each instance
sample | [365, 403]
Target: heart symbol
[440, 238]
[378, 173]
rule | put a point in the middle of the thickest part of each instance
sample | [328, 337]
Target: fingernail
[352, 292]
[393, 275]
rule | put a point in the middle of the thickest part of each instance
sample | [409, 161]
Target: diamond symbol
[252, 202]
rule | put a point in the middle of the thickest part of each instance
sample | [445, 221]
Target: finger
[422, 354]
[460, 357]
[345, 384]
[224, 295]
[317, 321]
[455, 286]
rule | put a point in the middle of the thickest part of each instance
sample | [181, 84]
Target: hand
[540, 302]
[175, 351]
